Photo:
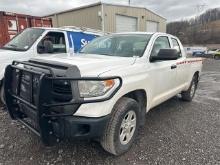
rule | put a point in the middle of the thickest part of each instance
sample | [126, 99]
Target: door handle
[173, 66]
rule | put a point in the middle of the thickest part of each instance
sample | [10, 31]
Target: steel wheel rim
[128, 127]
[193, 88]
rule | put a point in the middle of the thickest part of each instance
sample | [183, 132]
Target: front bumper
[34, 103]
[79, 127]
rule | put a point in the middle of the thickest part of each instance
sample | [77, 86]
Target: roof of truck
[75, 29]
[135, 32]
[145, 33]
[98, 32]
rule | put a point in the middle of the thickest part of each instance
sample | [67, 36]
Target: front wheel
[190, 93]
[122, 128]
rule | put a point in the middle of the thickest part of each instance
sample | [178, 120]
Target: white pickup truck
[104, 91]
[34, 42]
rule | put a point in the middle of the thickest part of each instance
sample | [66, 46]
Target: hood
[8, 54]
[6, 58]
[90, 65]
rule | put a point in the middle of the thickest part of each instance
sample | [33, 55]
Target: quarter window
[160, 43]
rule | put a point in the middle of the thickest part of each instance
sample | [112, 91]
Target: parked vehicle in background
[11, 24]
[212, 51]
[216, 55]
[33, 42]
[104, 92]
[196, 51]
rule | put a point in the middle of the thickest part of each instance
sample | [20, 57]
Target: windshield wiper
[12, 45]
[12, 48]
[105, 54]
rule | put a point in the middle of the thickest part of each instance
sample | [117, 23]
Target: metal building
[111, 18]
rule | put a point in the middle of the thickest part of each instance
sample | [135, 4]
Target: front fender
[131, 82]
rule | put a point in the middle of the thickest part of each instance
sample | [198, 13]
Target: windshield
[123, 45]
[24, 40]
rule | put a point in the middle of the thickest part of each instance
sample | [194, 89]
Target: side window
[160, 43]
[176, 46]
[53, 42]
[106, 44]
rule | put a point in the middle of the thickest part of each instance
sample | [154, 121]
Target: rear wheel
[122, 128]
[216, 57]
[190, 93]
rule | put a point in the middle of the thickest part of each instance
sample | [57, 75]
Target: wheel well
[141, 97]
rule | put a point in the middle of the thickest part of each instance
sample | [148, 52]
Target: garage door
[126, 24]
[152, 26]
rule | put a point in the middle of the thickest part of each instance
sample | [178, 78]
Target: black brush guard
[39, 106]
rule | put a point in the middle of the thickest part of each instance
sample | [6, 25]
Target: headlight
[96, 88]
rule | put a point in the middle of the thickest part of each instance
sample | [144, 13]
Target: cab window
[176, 46]
[53, 42]
[160, 43]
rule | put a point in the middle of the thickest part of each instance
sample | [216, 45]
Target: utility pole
[129, 2]
[200, 8]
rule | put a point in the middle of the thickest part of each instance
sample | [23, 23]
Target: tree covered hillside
[204, 29]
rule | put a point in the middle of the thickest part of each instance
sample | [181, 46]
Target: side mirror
[165, 55]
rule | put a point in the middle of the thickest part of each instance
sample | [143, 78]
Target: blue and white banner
[77, 40]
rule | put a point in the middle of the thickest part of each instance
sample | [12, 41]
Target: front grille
[25, 86]
[62, 91]
[36, 83]
[63, 87]
[29, 87]
[14, 83]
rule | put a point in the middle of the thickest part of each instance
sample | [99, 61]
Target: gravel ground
[176, 132]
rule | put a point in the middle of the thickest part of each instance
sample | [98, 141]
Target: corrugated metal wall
[153, 17]
[142, 15]
[87, 17]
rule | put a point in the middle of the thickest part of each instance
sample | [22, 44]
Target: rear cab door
[183, 69]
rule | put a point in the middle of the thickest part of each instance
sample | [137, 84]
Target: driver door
[163, 73]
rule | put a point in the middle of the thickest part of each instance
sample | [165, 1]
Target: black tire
[216, 57]
[110, 140]
[190, 93]
[2, 98]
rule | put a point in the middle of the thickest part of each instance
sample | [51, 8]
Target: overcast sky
[170, 9]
